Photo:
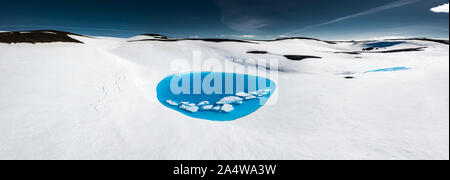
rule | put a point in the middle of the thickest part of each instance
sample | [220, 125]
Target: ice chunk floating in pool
[215, 96]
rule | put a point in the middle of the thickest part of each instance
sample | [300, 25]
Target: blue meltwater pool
[383, 44]
[389, 69]
[215, 96]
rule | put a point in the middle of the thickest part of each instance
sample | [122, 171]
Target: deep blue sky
[263, 19]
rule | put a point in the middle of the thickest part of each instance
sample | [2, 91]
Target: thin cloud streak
[249, 16]
[245, 24]
[388, 6]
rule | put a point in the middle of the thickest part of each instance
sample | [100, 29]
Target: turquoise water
[383, 44]
[389, 69]
[215, 96]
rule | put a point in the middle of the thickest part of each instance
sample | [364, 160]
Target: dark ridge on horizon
[162, 37]
[216, 40]
[299, 38]
[40, 36]
[441, 41]
[388, 51]
[166, 38]
[157, 36]
[37, 36]
[426, 39]
[303, 38]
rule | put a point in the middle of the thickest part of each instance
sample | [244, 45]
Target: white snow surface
[97, 100]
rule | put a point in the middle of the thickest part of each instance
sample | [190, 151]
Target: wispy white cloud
[388, 6]
[248, 36]
[249, 16]
[441, 9]
[245, 24]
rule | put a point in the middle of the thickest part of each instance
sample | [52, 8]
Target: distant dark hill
[430, 40]
[302, 38]
[39, 36]
[388, 51]
[222, 40]
[159, 36]
[216, 40]
[441, 41]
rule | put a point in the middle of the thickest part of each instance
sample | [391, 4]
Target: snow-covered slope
[97, 100]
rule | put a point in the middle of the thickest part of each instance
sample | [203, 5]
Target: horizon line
[235, 37]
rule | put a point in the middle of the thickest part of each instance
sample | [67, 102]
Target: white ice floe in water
[207, 107]
[98, 100]
[260, 93]
[203, 103]
[243, 94]
[226, 101]
[190, 107]
[217, 108]
[173, 103]
[227, 108]
[230, 100]
[250, 97]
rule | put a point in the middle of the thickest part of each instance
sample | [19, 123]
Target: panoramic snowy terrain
[97, 100]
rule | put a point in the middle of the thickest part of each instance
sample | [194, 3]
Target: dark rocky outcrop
[368, 49]
[39, 36]
[388, 51]
[159, 36]
[257, 52]
[300, 57]
[351, 53]
[403, 50]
